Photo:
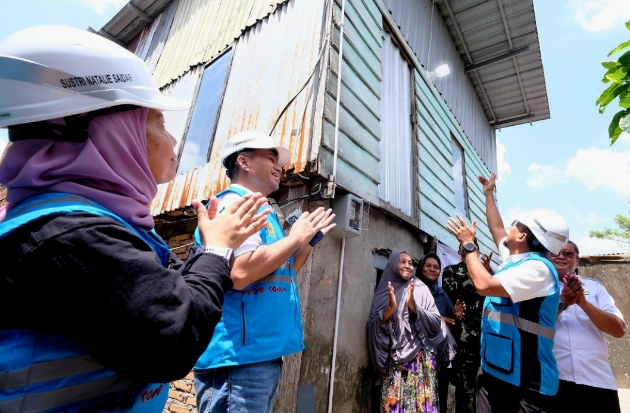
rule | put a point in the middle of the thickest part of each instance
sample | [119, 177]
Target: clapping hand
[486, 260]
[232, 227]
[307, 226]
[572, 289]
[391, 307]
[411, 303]
[459, 309]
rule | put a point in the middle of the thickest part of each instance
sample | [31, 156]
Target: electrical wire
[315, 68]
[321, 53]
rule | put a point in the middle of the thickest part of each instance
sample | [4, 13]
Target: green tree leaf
[619, 48]
[628, 25]
[610, 94]
[624, 60]
[617, 74]
[624, 123]
[613, 129]
[609, 64]
[605, 94]
[619, 235]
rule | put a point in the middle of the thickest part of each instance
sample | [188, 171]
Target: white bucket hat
[254, 140]
[49, 72]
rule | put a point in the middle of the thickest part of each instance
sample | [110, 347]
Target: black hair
[532, 242]
[577, 250]
[231, 165]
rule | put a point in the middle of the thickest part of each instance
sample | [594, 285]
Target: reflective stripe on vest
[34, 402]
[48, 372]
[517, 338]
[263, 321]
[521, 323]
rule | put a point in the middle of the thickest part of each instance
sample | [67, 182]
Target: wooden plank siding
[359, 113]
[437, 126]
[359, 126]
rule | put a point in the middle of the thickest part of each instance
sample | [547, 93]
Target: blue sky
[565, 164]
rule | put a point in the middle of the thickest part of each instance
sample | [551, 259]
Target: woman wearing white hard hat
[519, 371]
[95, 312]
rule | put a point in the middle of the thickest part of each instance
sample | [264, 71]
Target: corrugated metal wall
[270, 64]
[396, 174]
[203, 28]
[414, 19]
[359, 116]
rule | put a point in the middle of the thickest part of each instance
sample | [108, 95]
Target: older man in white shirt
[580, 346]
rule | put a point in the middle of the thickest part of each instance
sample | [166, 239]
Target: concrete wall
[616, 278]
[353, 377]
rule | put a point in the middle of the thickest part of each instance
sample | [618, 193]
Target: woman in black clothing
[93, 306]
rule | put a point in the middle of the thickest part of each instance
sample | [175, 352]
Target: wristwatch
[225, 253]
[469, 247]
[563, 306]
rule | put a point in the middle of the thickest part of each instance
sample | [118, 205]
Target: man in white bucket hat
[261, 319]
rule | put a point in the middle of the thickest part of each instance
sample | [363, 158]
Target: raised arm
[495, 223]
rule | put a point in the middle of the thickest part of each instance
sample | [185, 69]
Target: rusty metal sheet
[271, 62]
[203, 28]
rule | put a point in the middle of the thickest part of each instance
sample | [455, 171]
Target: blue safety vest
[517, 338]
[46, 372]
[263, 321]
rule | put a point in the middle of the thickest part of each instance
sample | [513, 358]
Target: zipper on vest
[243, 318]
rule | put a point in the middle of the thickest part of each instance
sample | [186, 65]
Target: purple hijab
[111, 167]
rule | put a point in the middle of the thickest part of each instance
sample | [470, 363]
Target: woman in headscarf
[430, 269]
[407, 339]
[96, 314]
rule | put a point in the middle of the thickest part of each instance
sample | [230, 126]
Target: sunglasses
[566, 254]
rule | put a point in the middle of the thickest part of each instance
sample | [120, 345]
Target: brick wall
[180, 244]
[181, 396]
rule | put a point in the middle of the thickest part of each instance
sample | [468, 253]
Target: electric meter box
[349, 219]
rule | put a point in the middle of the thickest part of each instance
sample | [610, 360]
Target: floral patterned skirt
[411, 387]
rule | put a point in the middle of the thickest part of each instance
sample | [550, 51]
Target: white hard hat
[49, 72]
[254, 140]
[549, 228]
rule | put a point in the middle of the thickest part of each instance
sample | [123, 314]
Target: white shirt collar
[241, 187]
[518, 257]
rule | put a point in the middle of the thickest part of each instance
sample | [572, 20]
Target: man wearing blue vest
[261, 321]
[518, 369]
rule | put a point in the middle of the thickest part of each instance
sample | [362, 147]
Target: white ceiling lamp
[440, 71]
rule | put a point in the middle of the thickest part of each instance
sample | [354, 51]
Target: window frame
[464, 177]
[182, 144]
[415, 186]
